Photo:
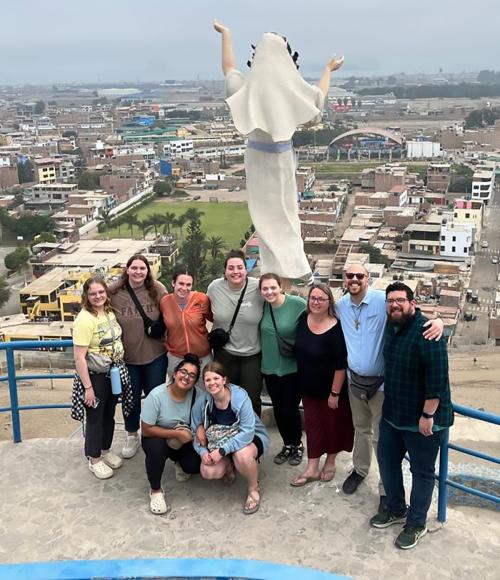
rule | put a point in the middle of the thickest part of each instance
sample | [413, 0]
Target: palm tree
[145, 225]
[119, 221]
[106, 219]
[131, 220]
[180, 222]
[154, 221]
[167, 219]
[194, 215]
[216, 245]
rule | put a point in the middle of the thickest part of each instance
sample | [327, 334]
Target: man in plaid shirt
[417, 408]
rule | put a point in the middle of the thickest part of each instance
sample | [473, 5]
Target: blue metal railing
[12, 378]
[443, 480]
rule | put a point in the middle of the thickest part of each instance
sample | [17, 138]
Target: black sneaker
[296, 455]
[410, 536]
[283, 455]
[351, 484]
[386, 518]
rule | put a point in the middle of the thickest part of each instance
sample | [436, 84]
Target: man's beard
[400, 320]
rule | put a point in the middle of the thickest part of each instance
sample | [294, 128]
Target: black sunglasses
[358, 275]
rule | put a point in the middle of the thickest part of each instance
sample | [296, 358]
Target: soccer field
[229, 220]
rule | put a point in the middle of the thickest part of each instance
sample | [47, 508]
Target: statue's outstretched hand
[220, 27]
[335, 63]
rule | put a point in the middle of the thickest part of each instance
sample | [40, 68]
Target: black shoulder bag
[152, 328]
[219, 337]
[286, 346]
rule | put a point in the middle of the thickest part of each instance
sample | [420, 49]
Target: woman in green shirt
[280, 372]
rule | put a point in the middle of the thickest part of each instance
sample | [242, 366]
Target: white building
[483, 183]
[423, 149]
[178, 148]
[457, 239]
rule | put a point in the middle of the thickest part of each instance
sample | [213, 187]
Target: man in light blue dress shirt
[362, 313]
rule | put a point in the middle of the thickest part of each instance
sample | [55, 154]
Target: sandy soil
[474, 385]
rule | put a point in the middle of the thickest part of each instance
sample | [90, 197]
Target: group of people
[368, 360]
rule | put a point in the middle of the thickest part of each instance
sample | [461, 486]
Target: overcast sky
[125, 40]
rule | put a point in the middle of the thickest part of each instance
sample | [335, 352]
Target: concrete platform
[53, 508]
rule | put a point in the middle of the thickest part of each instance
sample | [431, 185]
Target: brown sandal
[252, 503]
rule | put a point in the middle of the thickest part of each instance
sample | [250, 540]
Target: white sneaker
[111, 459]
[157, 503]
[100, 469]
[180, 474]
[131, 446]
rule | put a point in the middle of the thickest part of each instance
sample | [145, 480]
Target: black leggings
[285, 396]
[157, 452]
[100, 422]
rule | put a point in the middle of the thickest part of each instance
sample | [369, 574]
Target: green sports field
[229, 220]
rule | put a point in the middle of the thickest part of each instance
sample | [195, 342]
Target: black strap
[240, 300]
[138, 305]
[274, 321]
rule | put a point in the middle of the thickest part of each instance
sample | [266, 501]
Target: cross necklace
[357, 315]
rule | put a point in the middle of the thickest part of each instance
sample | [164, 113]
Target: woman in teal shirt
[280, 372]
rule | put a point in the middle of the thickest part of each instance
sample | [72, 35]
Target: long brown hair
[85, 295]
[149, 281]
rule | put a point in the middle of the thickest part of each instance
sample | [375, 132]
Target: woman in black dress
[321, 363]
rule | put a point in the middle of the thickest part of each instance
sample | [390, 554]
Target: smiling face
[186, 376]
[399, 308]
[137, 272]
[270, 290]
[97, 296]
[182, 287]
[214, 383]
[319, 303]
[356, 280]
[236, 272]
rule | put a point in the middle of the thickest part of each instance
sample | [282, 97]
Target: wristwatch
[221, 451]
[334, 394]
[427, 415]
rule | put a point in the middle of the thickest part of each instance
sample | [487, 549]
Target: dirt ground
[473, 384]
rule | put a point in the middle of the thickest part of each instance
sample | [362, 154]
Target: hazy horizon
[122, 41]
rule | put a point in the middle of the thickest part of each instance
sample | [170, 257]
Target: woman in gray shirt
[241, 354]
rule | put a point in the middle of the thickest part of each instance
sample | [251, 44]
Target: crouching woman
[229, 435]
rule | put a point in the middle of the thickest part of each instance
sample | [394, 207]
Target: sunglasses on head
[358, 275]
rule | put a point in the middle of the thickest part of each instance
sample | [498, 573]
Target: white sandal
[157, 503]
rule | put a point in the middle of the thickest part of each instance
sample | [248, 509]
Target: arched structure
[367, 143]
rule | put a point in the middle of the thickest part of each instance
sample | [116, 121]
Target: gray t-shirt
[160, 409]
[245, 337]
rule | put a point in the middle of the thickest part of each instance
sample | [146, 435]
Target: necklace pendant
[357, 323]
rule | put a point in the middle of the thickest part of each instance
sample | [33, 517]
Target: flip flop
[252, 503]
[304, 480]
[327, 475]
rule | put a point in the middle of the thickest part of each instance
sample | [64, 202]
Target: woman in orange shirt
[185, 313]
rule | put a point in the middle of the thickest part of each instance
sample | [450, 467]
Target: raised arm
[324, 81]
[228, 59]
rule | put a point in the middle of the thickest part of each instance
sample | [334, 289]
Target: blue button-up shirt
[365, 344]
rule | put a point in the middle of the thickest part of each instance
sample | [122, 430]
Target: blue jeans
[392, 446]
[144, 378]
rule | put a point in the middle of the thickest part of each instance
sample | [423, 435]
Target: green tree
[131, 220]
[180, 222]
[193, 214]
[89, 180]
[44, 237]
[144, 225]
[17, 259]
[106, 219]
[155, 220]
[215, 245]
[163, 187]
[194, 251]
[376, 256]
[167, 220]
[4, 291]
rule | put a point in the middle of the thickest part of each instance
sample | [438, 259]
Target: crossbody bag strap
[113, 335]
[240, 300]
[274, 321]
[138, 305]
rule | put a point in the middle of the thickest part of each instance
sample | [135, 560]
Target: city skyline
[118, 41]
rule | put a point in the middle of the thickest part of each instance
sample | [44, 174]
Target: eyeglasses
[357, 275]
[186, 373]
[318, 299]
[396, 300]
